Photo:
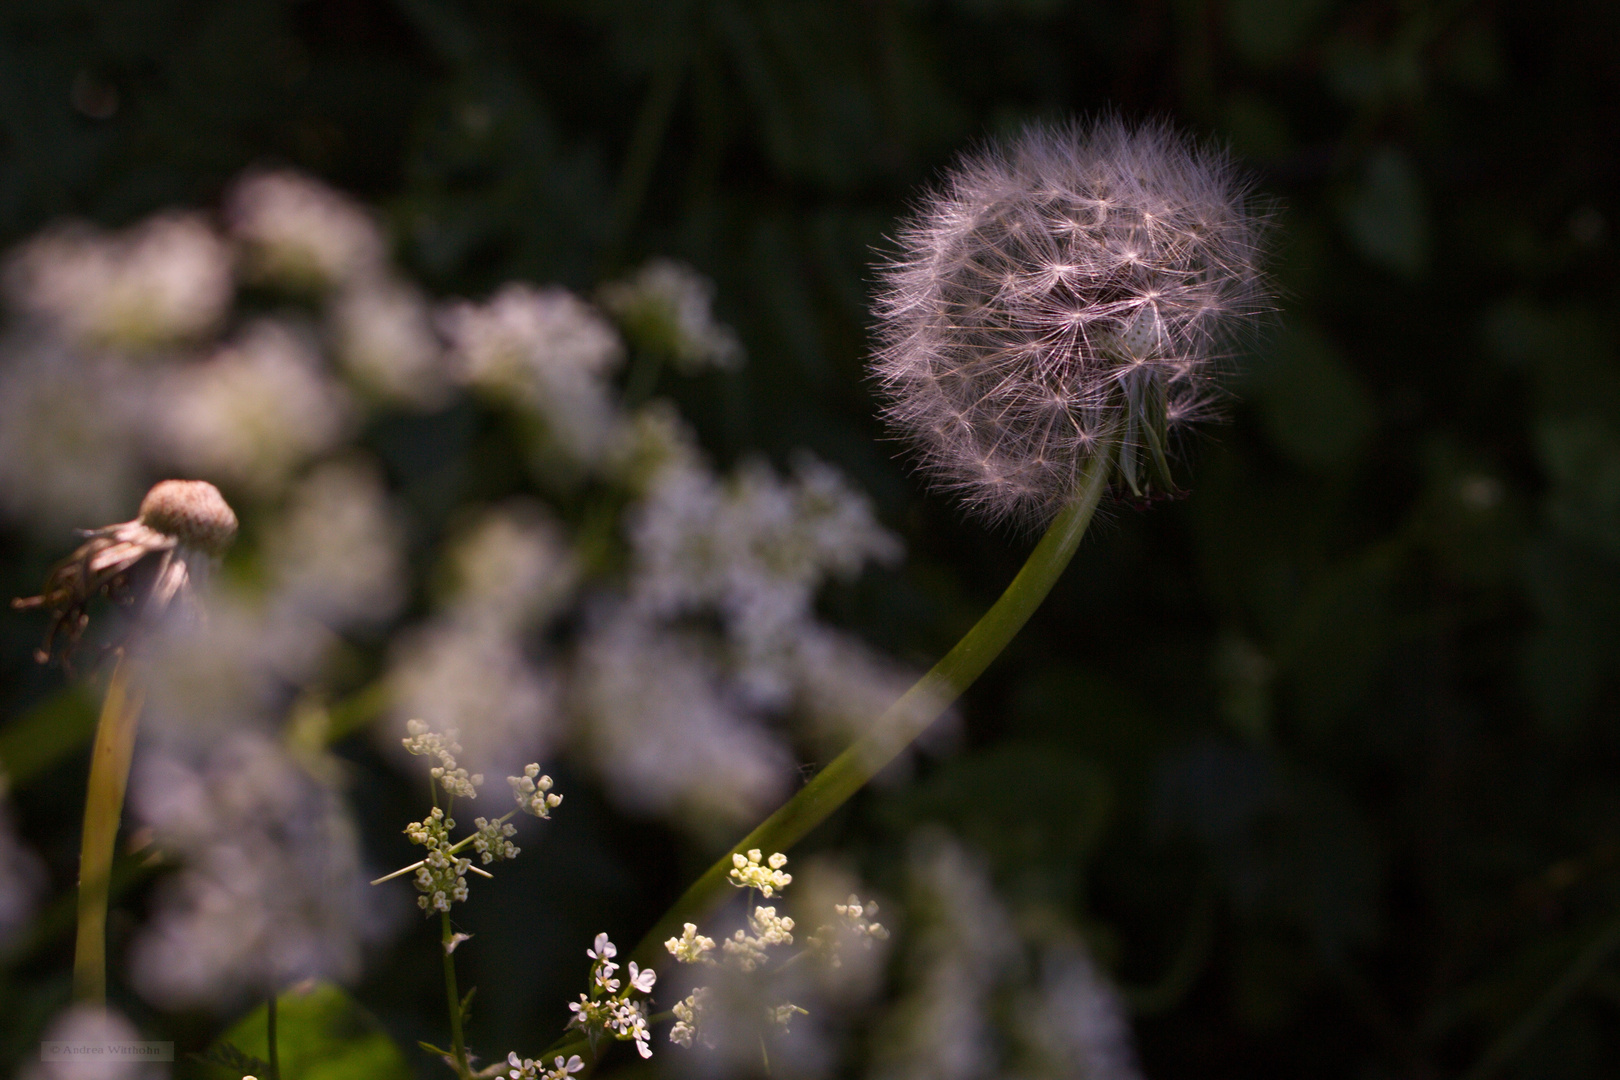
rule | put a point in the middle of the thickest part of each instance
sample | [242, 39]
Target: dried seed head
[182, 524]
[191, 511]
[1062, 296]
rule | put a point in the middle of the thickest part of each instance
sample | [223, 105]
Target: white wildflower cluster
[533, 792]
[441, 875]
[269, 888]
[609, 1009]
[691, 947]
[668, 307]
[530, 1069]
[688, 1024]
[743, 953]
[334, 554]
[546, 352]
[679, 718]
[855, 923]
[748, 873]
[985, 987]
[493, 840]
[162, 282]
[297, 233]
[471, 665]
[256, 410]
[422, 740]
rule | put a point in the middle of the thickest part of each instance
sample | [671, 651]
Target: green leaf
[322, 1034]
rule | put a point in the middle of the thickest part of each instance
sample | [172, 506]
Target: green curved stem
[906, 718]
[103, 808]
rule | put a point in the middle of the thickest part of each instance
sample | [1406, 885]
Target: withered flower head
[182, 523]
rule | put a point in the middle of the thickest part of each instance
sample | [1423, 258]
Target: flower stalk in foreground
[181, 526]
[1057, 310]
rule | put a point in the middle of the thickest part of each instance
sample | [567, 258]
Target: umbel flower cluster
[1064, 296]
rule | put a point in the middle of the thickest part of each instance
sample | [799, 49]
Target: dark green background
[1326, 756]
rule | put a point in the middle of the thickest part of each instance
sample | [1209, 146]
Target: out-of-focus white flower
[270, 889]
[546, 351]
[72, 432]
[668, 307]
[843, 684]
[22, 878]
[662, 729]
[961, 945]
[755, 549]
[334, 555]
[472, 675]
[256, 410]
[96, 1032]
[1074, 1020]
[467, 667]
[299, 234]
[513, 567]
[165, 280]
[384, 339]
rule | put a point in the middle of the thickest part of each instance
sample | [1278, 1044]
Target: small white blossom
[424, 741]
[533, 792]
[782, 1014]
[441, 879]
[771, 929]
[744, 952]
[689, 1017]
[691, 947]
[530, 1069]
[492, 840]
[642, 978]
[385, 341]
[747, 873]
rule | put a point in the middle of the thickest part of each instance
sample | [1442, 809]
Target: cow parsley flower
[667, 306]
[163, 281]
[1062, 296]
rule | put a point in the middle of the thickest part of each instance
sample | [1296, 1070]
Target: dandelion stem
[103, 807]
[906, 718]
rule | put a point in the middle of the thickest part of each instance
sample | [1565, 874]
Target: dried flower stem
[908, 717]
[103, 807]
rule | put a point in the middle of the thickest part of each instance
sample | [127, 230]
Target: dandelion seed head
[191, 511]
[1075, 283]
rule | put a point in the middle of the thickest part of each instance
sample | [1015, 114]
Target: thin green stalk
[103, 808]
[904, 720]
[458, 1046]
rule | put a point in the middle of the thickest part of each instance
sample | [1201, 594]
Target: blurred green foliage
[1351, 707]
